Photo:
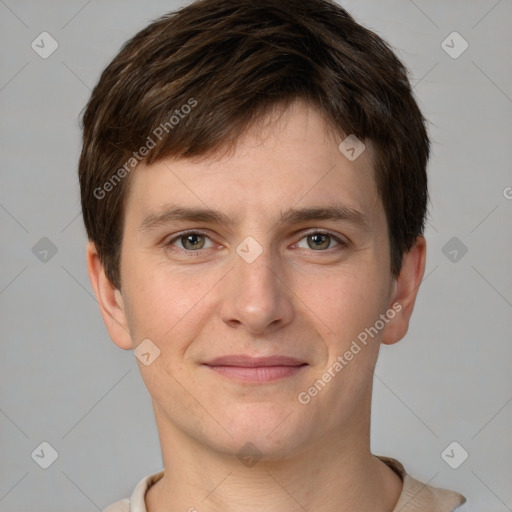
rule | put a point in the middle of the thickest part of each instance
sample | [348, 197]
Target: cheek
[351, 309]
[346, 300]
[166, 306]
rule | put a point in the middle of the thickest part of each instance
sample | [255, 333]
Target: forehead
[287, 159]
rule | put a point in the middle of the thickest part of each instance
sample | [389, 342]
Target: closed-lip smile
[256, 369]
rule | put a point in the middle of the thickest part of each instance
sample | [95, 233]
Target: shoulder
[417, 496]
[119, 506]
[136, 503]
[425, 497]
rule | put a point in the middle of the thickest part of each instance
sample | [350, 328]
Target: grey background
[64, 382]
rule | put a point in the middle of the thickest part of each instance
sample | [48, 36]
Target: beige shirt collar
[415, 497]
[419, 497]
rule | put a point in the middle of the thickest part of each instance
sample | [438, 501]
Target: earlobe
[405, 291]
[110, 300]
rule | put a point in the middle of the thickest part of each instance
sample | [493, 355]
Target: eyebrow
[172, 214]
[335, 213]
[179, 214]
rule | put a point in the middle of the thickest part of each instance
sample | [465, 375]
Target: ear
[405, 290]
[110, 300]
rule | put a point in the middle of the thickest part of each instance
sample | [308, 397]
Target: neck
[336, 474]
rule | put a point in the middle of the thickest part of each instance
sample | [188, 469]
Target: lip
[253, 362]
[256, 369]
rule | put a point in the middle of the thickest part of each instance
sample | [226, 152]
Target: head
[224, 218]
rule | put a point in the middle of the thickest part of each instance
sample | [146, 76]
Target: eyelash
[169, 245]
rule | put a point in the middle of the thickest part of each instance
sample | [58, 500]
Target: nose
[256, 296]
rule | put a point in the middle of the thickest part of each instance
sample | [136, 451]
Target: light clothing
[415, 496]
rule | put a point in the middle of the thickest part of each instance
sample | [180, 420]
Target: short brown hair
[196, 79]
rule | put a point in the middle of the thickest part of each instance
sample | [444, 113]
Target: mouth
[256, 369]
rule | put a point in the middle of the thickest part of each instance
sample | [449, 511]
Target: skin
[294, 299]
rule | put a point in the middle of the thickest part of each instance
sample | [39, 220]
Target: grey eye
[192, 242]
[319, 241]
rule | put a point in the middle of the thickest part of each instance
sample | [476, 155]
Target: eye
[191, 241]
[319, 241]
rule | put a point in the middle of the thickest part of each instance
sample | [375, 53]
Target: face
[254, 272]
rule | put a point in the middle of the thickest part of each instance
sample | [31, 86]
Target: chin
[275, 435]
